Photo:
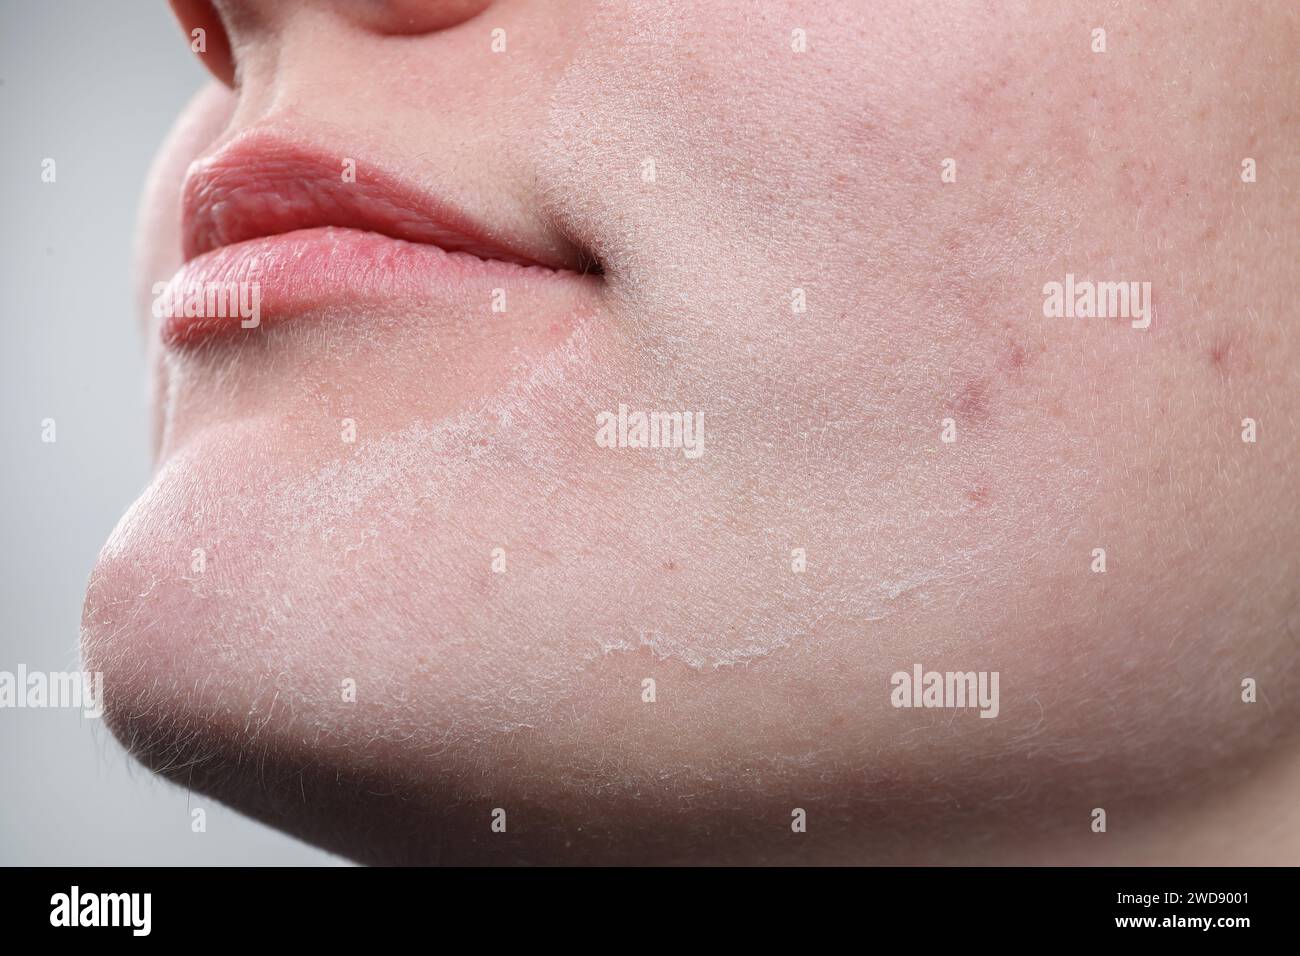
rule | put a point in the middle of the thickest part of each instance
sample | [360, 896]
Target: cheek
[803, 270]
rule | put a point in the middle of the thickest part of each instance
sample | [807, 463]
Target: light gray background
[94, 85]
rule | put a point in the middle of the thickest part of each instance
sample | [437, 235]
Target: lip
[275, 224]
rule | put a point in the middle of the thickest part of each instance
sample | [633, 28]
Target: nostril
[207, 37]
[406, 17]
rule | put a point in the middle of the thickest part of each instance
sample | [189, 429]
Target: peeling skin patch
[709, 653]
[420, 465]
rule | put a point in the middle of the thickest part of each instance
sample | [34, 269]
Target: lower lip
[242, 289]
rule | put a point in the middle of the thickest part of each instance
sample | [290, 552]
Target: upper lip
[260, 184]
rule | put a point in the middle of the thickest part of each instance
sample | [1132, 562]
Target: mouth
[273, 229]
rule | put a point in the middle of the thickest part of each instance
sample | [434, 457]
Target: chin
[362, 648]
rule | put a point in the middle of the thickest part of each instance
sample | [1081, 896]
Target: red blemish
[1015, 358]
[972, 403]
[1225, 354]
[980, 495]
[670, 565]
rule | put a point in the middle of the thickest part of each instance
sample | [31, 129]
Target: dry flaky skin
[774, 170]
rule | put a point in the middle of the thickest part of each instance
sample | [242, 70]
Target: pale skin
[521, 686]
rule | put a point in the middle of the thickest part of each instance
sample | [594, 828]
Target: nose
[410, 16]
[207, 36]
[210, 24]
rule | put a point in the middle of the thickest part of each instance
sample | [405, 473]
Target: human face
[402, 565]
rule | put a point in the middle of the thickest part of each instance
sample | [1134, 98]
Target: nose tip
[411, 16]
[212, 24]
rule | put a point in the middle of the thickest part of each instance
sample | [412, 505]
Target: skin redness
[592, 431]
